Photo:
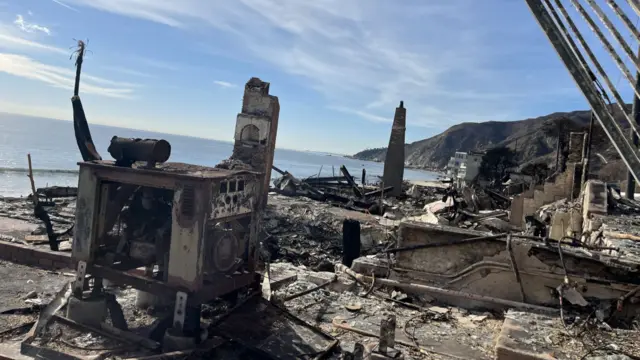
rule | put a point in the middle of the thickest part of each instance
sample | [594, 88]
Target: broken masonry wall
[594, 199]
[566, 185]
[576, 147]
[394, 161]
[484, 267]
[256, 131]
[438, 260]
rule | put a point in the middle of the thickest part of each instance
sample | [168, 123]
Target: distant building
[464, 167]
[470, 168]
[454, 164]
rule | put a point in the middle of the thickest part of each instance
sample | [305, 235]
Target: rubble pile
[344, 191]
[309, 233]
[424, 330]
[61, 211]
[444, 315]
[302, 233]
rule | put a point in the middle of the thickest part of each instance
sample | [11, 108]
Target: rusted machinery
[194, 229]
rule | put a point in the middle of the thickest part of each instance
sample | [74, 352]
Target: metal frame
[186, 268]
[585, 78]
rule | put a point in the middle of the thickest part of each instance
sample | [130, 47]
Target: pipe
[128, 151]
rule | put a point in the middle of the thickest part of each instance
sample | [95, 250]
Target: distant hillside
[525, 136]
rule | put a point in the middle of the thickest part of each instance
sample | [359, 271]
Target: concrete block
[576, 221]
[516, 216]
[594, 199]
[367, 266]
[89, 312]
[591, 225]
[529, 207]
[560, 224]
[538, 198]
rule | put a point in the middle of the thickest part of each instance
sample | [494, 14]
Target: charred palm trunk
[85, 145]
[80, 125]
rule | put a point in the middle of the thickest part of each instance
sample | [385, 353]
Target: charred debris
[487, 263]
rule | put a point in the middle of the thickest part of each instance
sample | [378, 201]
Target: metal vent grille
[188, 208]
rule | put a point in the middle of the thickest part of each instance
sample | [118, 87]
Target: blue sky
[339, 67]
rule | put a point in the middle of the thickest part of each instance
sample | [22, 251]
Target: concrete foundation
[484, 267]
[394, 161]
[89, 312]
[368, 266]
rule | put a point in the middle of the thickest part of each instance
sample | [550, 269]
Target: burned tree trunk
[80, 125]
[39, 212]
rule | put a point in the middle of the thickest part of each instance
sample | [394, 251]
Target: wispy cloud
[30, 27]
[155, 63]
[128, 71]
[366, 55]
[65, 5]
[224, 84]
[362, 114]
[12, 42]
[28, 68]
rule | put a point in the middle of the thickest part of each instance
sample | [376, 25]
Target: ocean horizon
[55, 154]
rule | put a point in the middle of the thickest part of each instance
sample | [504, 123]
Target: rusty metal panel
[234, 196]
[86, 207]
[136, 178]
[186, 257]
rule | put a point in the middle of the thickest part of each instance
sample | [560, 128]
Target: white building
[469, 169]
[454, 164]
[464, 167]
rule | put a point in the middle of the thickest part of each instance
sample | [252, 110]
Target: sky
[338, 67]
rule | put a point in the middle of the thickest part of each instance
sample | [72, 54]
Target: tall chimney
[394, 161]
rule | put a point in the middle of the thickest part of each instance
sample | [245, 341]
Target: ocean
[54, 154]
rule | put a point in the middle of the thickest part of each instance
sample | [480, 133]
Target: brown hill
[530, 138]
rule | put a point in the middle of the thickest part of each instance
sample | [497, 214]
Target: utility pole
[635, 113]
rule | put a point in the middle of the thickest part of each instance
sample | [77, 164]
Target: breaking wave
[37, 171]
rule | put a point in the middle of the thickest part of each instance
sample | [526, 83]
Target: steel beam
[585, 84]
